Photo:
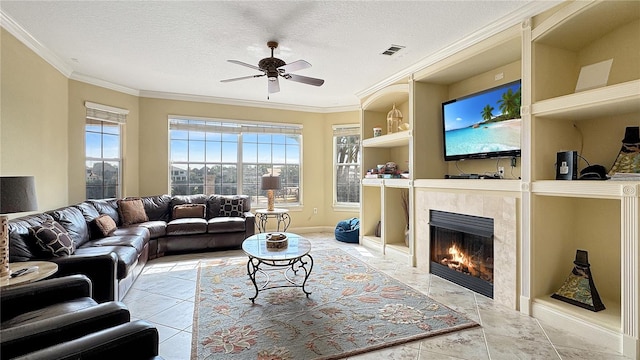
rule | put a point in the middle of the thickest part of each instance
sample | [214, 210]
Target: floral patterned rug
[352, 309]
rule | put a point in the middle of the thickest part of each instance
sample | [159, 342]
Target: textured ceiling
[181, 47]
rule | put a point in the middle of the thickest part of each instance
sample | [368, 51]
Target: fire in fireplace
[461, 250]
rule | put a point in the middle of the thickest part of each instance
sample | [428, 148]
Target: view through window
[346, 141]
[227, 157]
[103, 155]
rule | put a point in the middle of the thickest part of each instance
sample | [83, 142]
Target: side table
[281, 215]
[45, 269]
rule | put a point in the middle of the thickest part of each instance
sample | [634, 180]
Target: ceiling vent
[392, 50]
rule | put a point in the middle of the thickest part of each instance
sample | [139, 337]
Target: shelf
[371, 241]
[469, 184]
[385, 98]
[607, 189]
[397, 183]
[607, 101]
[573, 27]
[372, 182]
[399, 252]
[386, 141]
[608, 318]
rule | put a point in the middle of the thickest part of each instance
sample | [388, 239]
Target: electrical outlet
[315, 211]
[501, 171]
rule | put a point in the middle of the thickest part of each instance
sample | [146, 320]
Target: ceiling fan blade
[304, 79]
[242, 78]
[274, 85]
[295, 66]
[245, 64]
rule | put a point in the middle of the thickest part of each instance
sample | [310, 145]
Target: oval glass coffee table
[293, 258]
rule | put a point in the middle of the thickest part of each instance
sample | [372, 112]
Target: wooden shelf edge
[397, 183]
[372, 182]
[373, 239]
[469, 184]
[400, 247]
[587, 188]
[607, 321]
[400, 138]
[621, 98]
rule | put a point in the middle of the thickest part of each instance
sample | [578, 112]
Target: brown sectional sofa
[113, 262]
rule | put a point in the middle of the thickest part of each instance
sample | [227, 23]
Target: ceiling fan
[273, 67]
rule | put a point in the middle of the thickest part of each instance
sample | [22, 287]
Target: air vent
[392, 50]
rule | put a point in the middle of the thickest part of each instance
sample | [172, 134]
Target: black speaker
[567, 165]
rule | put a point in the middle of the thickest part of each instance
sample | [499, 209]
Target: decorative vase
[394, 119]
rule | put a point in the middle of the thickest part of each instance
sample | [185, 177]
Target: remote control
[24, 271]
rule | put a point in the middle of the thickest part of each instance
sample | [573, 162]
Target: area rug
[352, 309]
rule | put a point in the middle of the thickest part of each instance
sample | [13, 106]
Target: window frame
[105, 114]
[244, 128]
[342, 130]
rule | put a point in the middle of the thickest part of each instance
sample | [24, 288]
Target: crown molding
[29, 41]
[530, 9]
[248, 103]
[103, 83]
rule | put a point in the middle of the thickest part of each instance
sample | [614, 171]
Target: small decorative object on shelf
[277, 241]
[579, 289]
[394, 119]
[377, 131]
[628, 160]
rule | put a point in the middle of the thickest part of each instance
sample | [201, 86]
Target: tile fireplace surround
[503, 209]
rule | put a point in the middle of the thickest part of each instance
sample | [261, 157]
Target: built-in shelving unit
[598, 216]
[555, 218]
[382, 198]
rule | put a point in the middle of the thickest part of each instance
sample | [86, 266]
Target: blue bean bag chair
[348, 231]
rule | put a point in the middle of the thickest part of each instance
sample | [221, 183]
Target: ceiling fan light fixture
[273, 68]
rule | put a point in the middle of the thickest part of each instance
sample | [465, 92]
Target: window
[103, 155]
[227, 157]
[346, 145]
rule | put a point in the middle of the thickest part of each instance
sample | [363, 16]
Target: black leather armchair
[134, 340]
[41, 314]
[100, 269]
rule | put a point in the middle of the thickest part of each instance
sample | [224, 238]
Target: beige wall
[33, 122]
[42, 134]
[80, 92]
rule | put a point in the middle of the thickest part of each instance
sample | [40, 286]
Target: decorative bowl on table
[277, 241]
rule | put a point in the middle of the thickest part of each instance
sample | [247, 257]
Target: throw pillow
[53, 238]
[105, 224]
[131, 211]
[232, 207]
[189, 211]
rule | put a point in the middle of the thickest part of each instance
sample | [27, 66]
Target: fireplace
[461, 250]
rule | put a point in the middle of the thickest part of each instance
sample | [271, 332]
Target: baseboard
[311, 229]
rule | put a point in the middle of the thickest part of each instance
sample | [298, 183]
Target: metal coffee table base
[253, 267]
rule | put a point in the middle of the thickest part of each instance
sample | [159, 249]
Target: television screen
[483, 125]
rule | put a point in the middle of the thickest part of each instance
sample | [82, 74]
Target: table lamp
[270, 183]
[17, 194]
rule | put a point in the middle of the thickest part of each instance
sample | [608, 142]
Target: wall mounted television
[483, 125]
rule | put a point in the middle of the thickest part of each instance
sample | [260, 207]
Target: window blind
[346, 130]
[105, 113]
[233, 128]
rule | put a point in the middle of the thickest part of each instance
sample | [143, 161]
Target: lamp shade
[270, 183]
[17, 194]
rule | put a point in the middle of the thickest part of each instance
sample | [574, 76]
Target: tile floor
[164, 295]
